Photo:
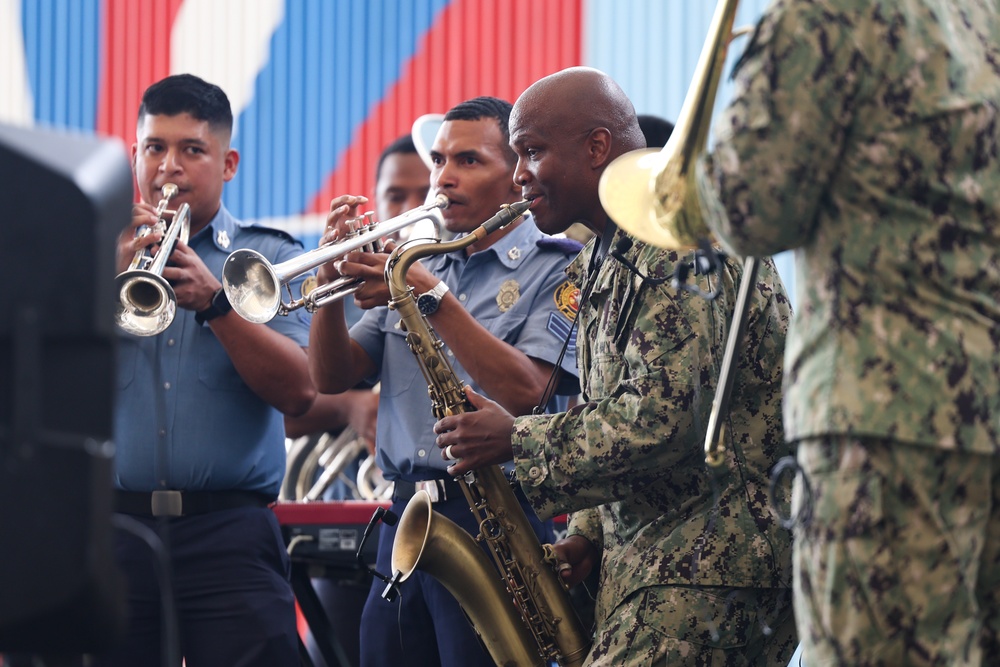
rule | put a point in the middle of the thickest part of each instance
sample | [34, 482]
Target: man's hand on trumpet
[193, 282]
[369, 267]
[129, 241]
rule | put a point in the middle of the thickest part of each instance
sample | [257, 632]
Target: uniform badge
[508, 295]
[514, 254]
[222, 239]
[567, 298]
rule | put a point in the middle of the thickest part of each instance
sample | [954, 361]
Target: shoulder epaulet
[566, 246]
[271, 230]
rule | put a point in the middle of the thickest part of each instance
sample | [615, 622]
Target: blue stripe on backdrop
[651, 47]
[333, 58]
[61, 42]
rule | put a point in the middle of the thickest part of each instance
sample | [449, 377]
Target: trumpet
[146, 301]
[254, 285]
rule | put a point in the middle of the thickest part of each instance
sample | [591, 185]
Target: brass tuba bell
[652, 194]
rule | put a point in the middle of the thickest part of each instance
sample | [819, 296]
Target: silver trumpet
[146, 301]
[253, 284]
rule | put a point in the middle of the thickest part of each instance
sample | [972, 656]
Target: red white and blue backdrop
[318, 87]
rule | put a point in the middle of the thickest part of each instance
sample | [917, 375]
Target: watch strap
[220, 306]
[439, 290]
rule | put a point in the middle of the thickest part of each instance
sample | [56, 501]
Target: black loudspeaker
[65, 198]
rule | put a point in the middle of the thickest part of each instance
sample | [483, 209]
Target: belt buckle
[432, 488]
[166, 503]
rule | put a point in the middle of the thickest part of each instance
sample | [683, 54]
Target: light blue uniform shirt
[528, 279]
[184, 418]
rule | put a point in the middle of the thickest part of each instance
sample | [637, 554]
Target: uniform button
[450, 353]
[166, 385]
[163, 432]
[170, 343]
[534, 472]
[421, 453]
[462, 297]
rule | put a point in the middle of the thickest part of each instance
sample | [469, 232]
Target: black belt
[185, 503]
[438, 489]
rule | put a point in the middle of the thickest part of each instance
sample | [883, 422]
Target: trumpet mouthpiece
[168, 190]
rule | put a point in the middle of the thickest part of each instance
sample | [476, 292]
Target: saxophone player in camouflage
[693, 563]
[864, 134]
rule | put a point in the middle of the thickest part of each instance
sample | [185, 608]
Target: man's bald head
[566, 128]
[576, 100]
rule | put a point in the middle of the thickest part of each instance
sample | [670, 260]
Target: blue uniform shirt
[184, 418]
[517, 290]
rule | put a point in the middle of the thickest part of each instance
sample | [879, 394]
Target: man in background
[401, 183]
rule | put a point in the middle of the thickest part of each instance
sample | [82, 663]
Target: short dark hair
[186, 93]
[656, 130]
[403, 144]
[487, 107]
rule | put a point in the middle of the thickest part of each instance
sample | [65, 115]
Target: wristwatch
[430, 301]
[220, 306]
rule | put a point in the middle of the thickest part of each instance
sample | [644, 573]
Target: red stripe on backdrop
[477, 47]
[136, 54]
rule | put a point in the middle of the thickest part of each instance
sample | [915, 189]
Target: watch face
[427, 304]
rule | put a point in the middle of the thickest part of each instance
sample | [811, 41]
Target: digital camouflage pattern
[895, 567]
[681, 626]
[649, 359]
[864, 134]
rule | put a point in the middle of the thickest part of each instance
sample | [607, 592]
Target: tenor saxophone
[523, 616]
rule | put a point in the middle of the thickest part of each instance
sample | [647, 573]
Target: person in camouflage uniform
[695, 570]
[864, 134]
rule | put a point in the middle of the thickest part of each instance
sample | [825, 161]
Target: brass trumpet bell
[653, 194]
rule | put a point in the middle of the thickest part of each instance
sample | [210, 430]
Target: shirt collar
[221, 230]
[513, 248]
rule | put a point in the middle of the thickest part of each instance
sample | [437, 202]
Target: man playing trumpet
[198, 419]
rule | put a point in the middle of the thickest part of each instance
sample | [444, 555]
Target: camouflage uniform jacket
[864, 133]
[649, 359]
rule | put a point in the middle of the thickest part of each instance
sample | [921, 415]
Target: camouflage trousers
[897, 558]
[683, 626]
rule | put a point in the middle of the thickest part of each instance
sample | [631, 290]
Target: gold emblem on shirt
[508, 295]
[567, 298]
